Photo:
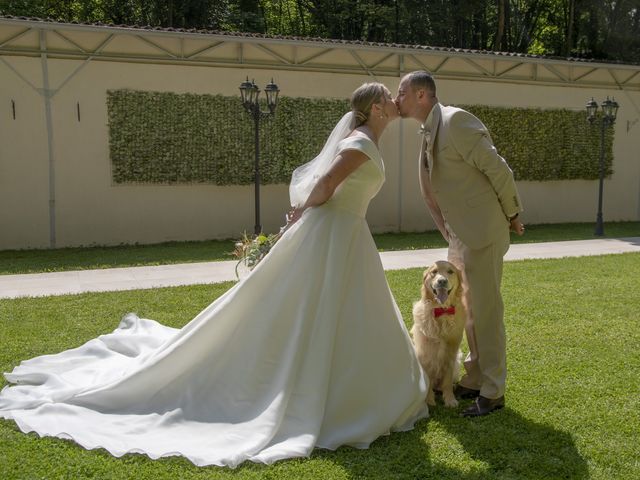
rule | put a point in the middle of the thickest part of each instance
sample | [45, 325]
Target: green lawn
[32, 261]
[573, 396]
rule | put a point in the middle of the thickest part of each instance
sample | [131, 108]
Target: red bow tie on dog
[439, 311]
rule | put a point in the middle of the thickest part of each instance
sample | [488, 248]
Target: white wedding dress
[307, 351]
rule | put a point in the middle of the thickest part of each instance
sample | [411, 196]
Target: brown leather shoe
[483, 406]
[464, 392]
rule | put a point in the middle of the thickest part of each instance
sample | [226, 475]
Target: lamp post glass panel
[249, 93]
[607, 118]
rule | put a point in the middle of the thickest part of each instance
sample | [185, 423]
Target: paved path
[131, 278]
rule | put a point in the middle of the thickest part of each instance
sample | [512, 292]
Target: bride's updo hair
[363, 99]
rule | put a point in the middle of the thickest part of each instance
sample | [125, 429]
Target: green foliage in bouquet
[250, 250]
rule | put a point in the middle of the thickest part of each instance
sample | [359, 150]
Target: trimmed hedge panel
[547, 144]
[168, 138]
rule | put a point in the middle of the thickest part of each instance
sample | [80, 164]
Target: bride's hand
[293, 216]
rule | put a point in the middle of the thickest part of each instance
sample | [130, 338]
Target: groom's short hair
[422, 79]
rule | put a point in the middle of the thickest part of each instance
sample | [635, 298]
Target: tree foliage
[601, 29]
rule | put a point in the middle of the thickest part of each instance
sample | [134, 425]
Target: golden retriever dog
[438, 322]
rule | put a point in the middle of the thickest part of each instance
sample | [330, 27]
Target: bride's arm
[345, 164]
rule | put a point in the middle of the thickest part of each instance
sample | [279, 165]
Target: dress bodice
[357, 190]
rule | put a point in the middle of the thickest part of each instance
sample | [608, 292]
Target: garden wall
[56, 176]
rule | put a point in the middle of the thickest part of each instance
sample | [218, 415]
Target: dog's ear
[457, 271]
[461, 286]
[427, 294]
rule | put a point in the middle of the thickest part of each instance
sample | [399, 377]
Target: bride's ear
[377, 110]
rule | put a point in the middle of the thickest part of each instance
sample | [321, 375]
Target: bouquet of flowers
[250, 250]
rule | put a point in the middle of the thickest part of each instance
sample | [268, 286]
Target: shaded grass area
[572, 399]
[556, 232]
[33, 261]
[60, 259]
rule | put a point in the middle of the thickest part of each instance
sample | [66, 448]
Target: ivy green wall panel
[169, 138]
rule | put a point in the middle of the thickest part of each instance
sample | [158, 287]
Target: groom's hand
[516, 226]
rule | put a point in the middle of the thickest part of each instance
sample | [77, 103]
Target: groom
[472, 197]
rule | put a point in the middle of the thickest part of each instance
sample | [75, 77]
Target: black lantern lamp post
[608, 117]
[249, 93]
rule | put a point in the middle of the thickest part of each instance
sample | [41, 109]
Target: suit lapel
[423, 153]
[433, 136]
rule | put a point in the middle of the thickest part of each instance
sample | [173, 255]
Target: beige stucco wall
[24, 177]
[89, 209]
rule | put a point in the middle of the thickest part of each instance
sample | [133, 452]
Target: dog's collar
[439, 311]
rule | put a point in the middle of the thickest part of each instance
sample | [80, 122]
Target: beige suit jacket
[466, 182]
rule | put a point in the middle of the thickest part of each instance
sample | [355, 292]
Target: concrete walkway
[131, 278]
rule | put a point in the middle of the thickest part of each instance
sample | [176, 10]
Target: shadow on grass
[512, 446]
[504, 445]
[399, 455]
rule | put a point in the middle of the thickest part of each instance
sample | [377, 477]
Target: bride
[307, 351]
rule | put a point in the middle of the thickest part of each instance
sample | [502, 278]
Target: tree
[601, 29]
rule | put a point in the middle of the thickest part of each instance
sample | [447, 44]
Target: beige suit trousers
[486, 363]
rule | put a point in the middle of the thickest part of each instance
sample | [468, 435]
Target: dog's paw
[431, 399]
[451, 402]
